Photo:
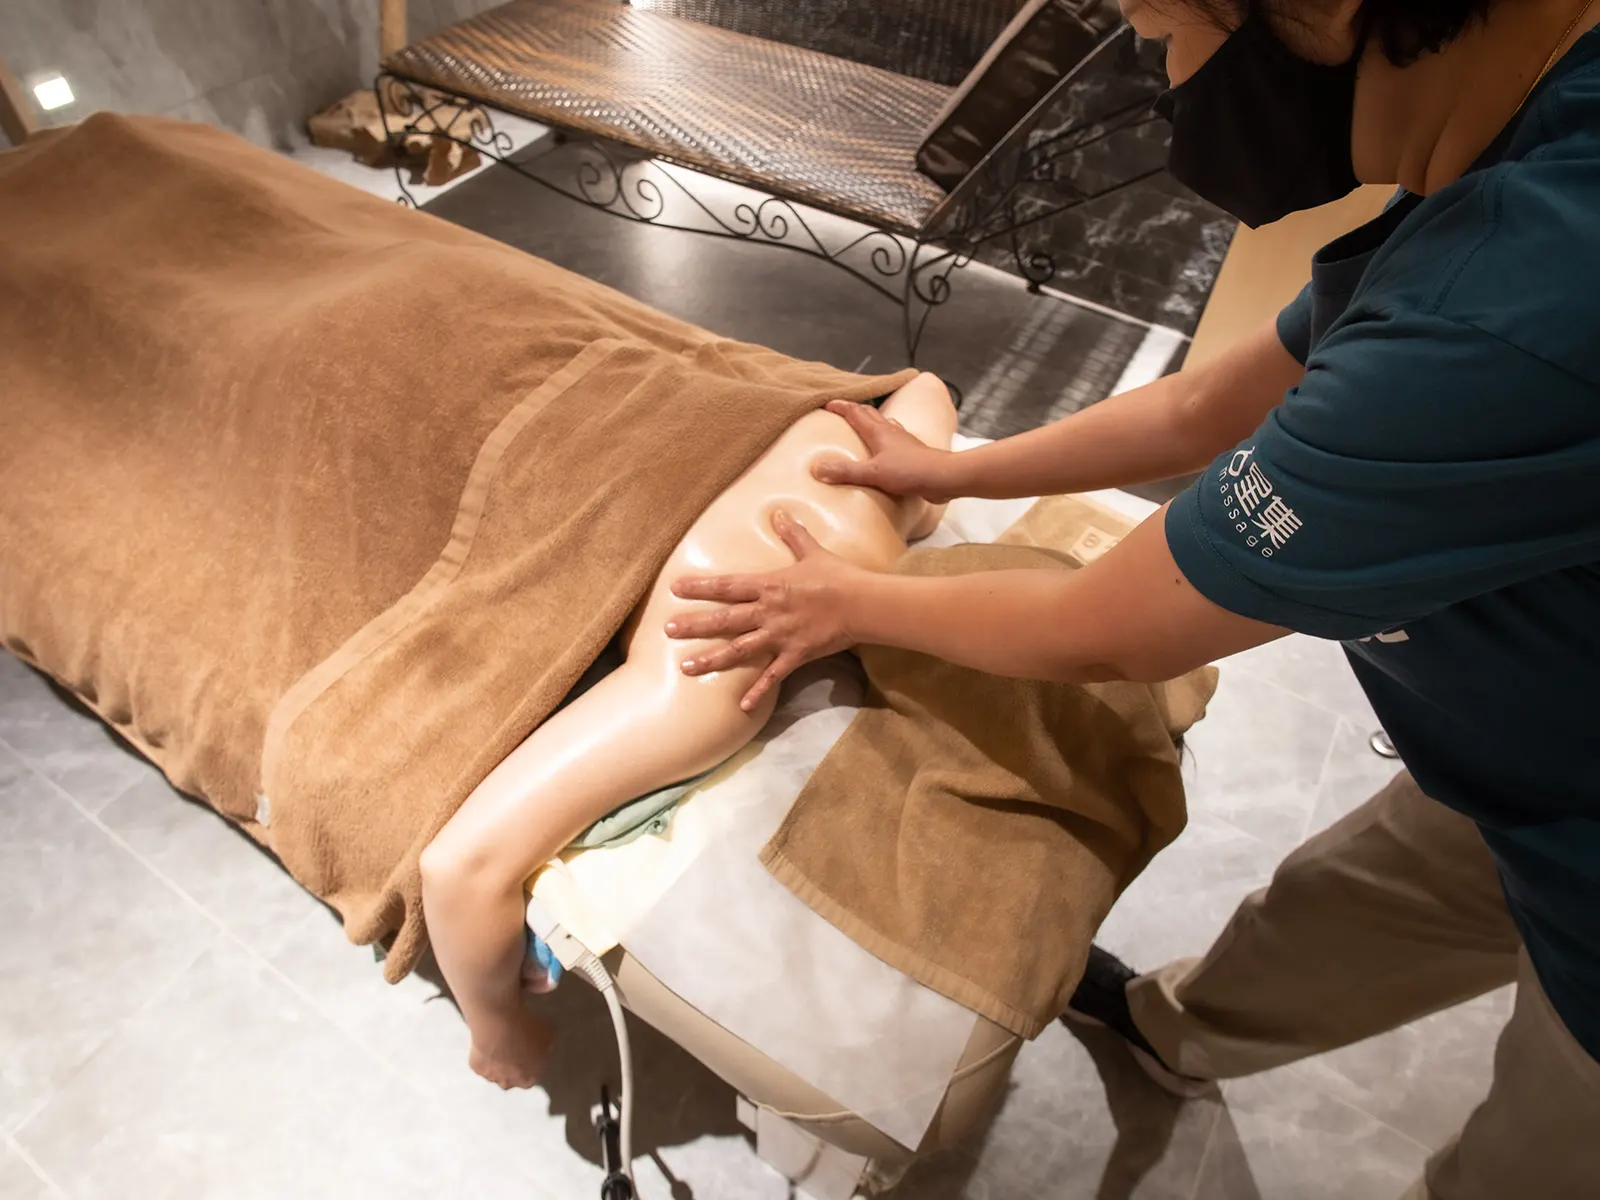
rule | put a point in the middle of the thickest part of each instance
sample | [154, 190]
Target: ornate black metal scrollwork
[636, 197]
[1014, 193]
[433, 113]
[625, 184]
[656, 193]
[1029, 178]
[927, 286]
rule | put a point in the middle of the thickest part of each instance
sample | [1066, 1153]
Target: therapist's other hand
[790, 616]
[898, 462]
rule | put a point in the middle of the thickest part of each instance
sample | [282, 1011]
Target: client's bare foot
[518, 1055]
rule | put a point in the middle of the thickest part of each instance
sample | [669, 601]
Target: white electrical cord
[601, 978]
[573, 955]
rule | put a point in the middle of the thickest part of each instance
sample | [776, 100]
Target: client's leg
[644, 726]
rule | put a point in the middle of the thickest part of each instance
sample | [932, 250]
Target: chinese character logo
[1236, 463]
[1253, 489]
[1277, 522]
[1249, 499]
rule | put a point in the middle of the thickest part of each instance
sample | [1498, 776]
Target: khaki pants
[1393, 913]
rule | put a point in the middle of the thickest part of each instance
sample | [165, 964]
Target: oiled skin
[647, 724]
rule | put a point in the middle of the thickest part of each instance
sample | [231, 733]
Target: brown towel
[973, 831]
[323, 503]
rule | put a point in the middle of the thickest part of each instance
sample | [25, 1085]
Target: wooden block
[374, 138]
[446, 160]
[16, 114]
[344, 123]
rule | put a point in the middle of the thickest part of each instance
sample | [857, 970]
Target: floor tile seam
[1205, 1151]
[300, 993]
[126, 788]
[117, 839]
[1307, 1079]
[160, 994]
[1241, 830]
[1263, 677]
[1316, 792]
[1350, 1102]
[304, 997]
[16, 1147]
[218, 924]
[27, 761]
[1373, 1117]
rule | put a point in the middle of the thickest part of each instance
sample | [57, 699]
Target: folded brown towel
[323, 503]
[973, 831]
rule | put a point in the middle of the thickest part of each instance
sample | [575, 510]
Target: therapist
[1408, 462]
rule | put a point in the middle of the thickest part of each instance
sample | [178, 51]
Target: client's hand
[791, 616]
[899, 462]
[517, 1053]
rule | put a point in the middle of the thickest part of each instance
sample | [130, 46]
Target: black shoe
[1102, 999]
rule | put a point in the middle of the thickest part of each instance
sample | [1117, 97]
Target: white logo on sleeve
[1254, 505]
[1253, 489]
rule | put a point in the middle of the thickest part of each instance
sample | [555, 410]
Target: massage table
[826, 1147]
[311, 583]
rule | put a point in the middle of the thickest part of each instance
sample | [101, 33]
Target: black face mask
[1260, 131]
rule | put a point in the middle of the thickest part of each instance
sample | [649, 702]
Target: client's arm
[645, 726]
[642, 727]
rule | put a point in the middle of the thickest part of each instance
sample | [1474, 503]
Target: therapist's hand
[898, 462]
[790, 616]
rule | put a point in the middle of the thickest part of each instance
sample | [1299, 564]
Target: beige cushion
[1266, 268]
[1043, 42]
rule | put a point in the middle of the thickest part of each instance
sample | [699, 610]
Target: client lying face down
[648, 724]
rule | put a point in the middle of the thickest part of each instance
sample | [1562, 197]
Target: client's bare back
[647, 725]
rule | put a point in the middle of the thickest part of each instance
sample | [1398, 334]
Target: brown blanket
[323, 503]
[974, 831]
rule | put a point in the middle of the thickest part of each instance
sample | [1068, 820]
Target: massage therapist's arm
[1130, 614]
[1169, 427]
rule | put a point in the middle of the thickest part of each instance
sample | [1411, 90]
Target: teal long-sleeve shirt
[1429, 494]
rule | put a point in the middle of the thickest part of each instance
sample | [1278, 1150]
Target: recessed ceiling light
[53, 92]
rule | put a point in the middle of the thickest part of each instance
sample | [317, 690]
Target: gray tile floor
[178, 1019]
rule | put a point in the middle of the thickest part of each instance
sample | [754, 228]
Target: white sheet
[701, 914]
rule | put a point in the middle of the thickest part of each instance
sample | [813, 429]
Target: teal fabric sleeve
[1409, 470]
[1294, 326]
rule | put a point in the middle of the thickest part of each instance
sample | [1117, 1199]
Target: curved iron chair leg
[639, 189]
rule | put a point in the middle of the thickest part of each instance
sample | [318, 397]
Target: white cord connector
[601, 978]
[573, 955]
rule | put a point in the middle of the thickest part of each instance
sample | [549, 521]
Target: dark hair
[1406, 29]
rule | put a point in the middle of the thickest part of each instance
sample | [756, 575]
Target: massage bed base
[243, 684]
[825, 1147]
[800, 1132]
